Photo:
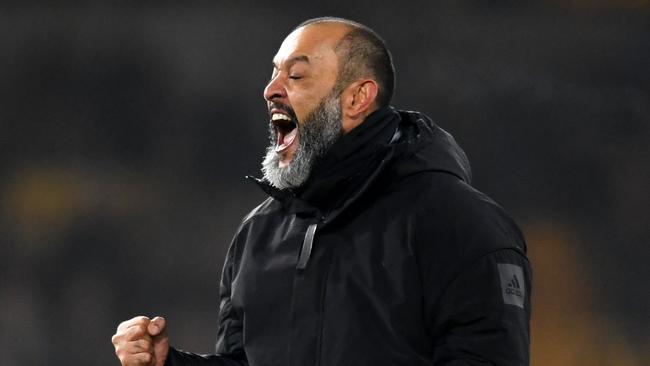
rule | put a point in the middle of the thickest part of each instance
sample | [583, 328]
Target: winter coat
[386, 256]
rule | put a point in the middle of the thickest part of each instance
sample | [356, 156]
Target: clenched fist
[141, 342]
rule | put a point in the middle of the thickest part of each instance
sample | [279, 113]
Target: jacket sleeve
[482, 317]
[229, 345]
[181, 358]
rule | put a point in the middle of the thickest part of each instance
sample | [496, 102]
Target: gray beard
[320, 130]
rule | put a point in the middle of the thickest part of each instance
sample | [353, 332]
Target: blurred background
[126, 128]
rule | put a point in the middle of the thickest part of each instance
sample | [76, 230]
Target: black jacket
[387, 256]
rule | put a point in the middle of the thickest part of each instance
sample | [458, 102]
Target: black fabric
[405, 269]
[176, 357]
[350, 161]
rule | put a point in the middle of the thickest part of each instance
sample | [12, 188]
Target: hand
[141, 342]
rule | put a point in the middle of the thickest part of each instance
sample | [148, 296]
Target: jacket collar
[345, 171]
[350, 161]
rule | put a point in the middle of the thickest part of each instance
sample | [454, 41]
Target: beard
[317, 133]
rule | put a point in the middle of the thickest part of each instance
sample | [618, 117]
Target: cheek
[303, 102]
[303, 105]
[307, 95]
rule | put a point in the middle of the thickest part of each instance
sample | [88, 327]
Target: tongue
[285, 140]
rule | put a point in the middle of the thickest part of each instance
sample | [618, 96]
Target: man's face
[300, 98]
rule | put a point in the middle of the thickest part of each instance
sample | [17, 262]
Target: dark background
[126, 128]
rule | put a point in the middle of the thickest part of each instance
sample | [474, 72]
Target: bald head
[361, 54]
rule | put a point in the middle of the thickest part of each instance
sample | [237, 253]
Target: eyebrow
[293, 60]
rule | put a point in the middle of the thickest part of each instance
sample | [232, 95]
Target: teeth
[279, 116]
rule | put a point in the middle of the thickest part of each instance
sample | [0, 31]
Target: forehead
[314, 43]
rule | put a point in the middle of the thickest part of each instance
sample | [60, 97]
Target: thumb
[158, 331]
[156, 326]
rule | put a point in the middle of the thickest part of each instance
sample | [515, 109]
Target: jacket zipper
[307, 245]
[308, 242]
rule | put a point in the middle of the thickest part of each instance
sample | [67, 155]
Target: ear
[358, 99]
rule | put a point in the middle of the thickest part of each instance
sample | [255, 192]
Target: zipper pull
[307, 244]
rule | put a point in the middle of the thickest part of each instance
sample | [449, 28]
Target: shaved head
[362, 54]
[329, 74]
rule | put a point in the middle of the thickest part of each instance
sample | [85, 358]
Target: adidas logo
[513, 287]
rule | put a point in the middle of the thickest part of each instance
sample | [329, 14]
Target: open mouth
[286, 131]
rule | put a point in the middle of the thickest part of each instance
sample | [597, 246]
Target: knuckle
[135, 320]
[121, 326]
[140, 318]
[136, 328]
[121, 352]
[146, 357]
[135, 331]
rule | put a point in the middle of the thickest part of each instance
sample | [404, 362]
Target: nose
[275, 90]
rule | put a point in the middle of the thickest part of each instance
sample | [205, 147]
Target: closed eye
[295, 77]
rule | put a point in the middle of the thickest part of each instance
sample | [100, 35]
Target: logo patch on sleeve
[512, 284]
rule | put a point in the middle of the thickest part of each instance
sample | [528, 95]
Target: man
[372, 249]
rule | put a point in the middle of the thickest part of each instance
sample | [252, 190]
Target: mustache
[284, 108]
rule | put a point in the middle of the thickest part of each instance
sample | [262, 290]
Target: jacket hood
[424, 146]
